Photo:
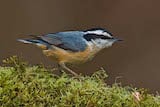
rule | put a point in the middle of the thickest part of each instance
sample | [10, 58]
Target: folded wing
[65, 40]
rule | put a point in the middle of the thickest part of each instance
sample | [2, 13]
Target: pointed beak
[117, 40]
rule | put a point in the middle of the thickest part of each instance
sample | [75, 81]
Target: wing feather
[66, 41]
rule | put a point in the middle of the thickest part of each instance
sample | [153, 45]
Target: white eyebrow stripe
[98, 32]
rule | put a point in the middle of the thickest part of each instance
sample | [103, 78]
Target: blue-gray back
[72, 41]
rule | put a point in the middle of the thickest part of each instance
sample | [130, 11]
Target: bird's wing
[65, 40]
[51, 39]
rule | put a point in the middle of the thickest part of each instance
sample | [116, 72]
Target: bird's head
[99, 37]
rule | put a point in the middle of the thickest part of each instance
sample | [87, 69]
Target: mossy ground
[36, 86]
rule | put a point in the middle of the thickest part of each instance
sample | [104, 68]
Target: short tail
[36, 42]
[25, 41]
[29, 41]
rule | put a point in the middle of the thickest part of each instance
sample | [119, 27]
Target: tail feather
[30, 41]
[36, 42]
[24, 41]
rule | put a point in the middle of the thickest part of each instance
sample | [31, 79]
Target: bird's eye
[89, 37]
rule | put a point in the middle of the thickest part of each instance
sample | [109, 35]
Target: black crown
[93, 29]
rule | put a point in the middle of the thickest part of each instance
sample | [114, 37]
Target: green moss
[21, 85]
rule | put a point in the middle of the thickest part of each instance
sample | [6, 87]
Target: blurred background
[136, 60]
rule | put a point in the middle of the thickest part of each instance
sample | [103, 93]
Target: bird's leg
[60, 69]
[66, 68]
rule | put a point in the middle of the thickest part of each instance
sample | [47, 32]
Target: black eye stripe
[89, 37]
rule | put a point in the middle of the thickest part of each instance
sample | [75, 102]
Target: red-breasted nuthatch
[72, 46]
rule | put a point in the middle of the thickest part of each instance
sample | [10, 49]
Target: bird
[72, 47]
